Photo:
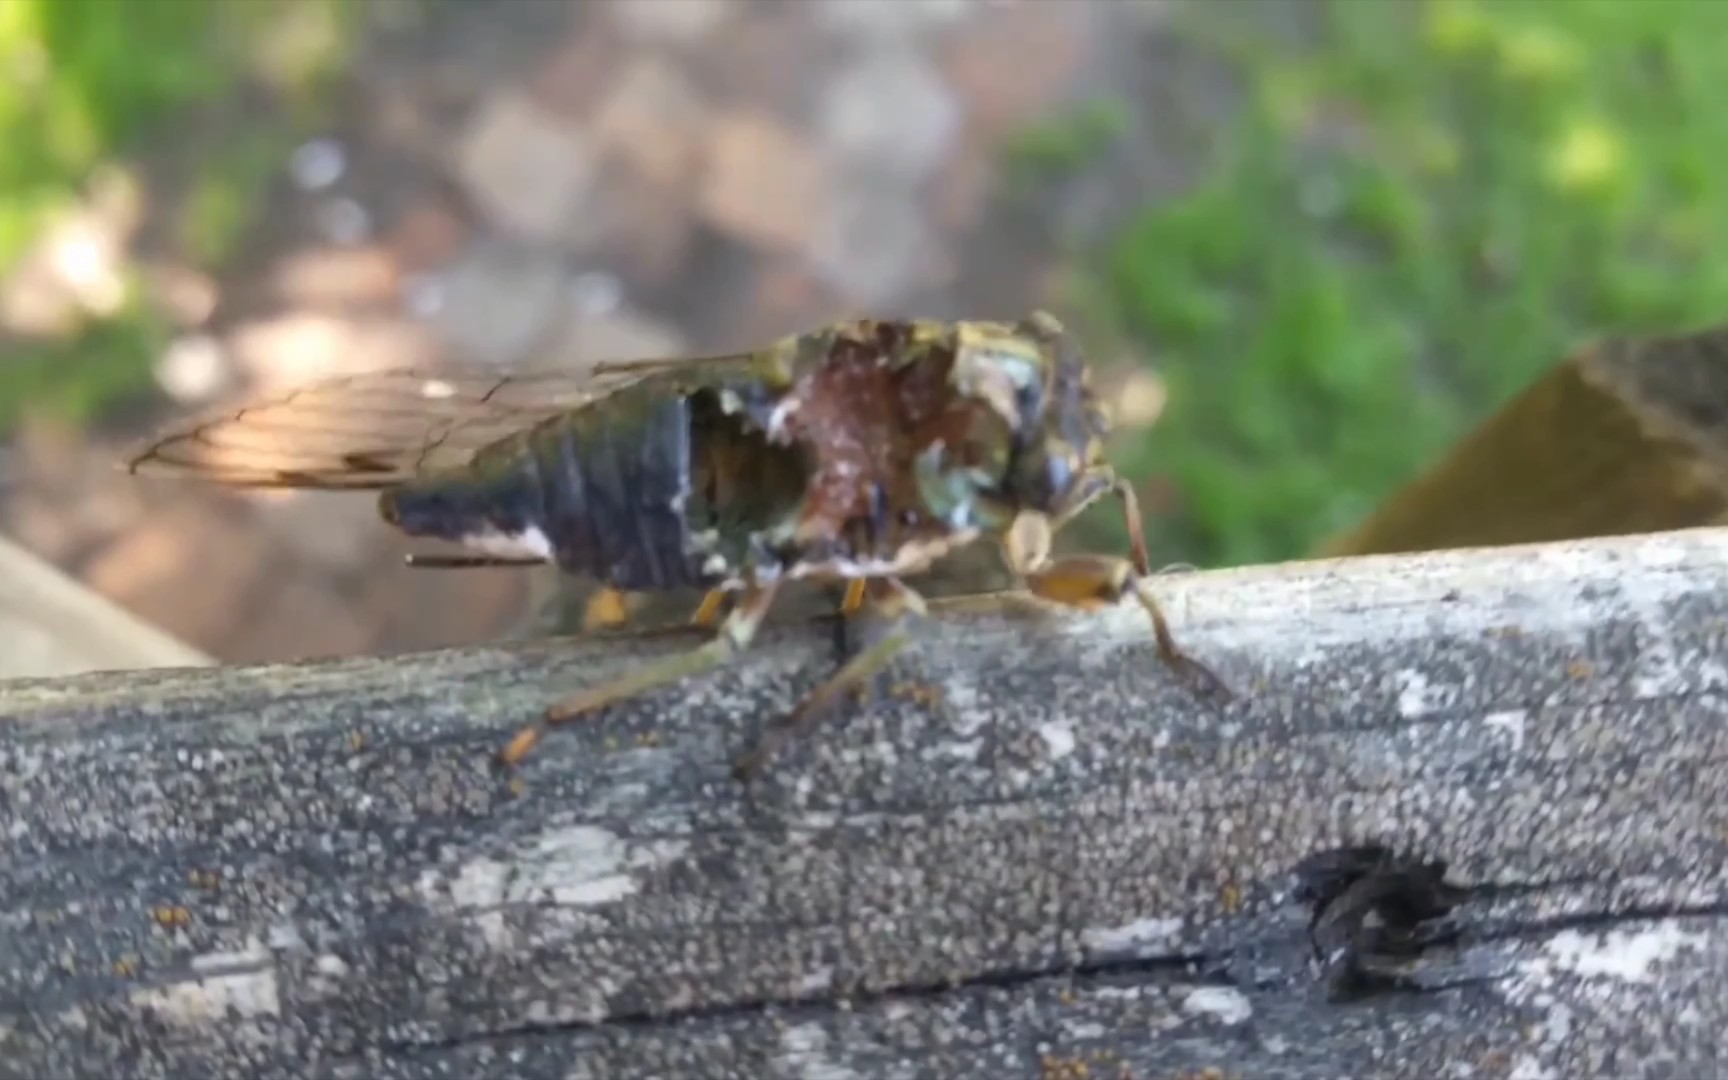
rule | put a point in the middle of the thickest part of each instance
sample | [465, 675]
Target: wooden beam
[52, 625]
[1624, 436]
[1050, 862]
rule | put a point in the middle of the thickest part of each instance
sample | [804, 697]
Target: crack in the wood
[1193, 965]
[1207, 968]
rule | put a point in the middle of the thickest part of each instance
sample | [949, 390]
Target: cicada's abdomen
[648, 490]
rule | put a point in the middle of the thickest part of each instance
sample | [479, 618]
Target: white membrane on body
[530, 543]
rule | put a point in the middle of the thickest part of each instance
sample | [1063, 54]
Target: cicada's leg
[1092, 581]
[708, 612]
[607, 609]
[854, 598]
[735, 635]
[895, 600]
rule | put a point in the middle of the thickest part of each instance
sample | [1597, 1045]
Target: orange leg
[1088, 582]
[735, 635]
[898, 601]
[708, 613]
[607, 609]
[854, 598]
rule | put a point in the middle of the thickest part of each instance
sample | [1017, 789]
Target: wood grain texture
[1060, 866]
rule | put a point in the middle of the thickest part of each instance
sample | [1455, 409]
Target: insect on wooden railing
[859, 453]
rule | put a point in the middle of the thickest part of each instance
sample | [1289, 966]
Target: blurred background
[1310, 241]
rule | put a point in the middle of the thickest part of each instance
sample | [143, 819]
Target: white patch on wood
[804, 1053]
[577, 866]
[1059, 737]
[241, 983]
[1511, 722]
[1229, 1005]
[961, 697]
[1527, 1067]
[437, 389]
[961, 750]
[1135, 935]
[1416, 695]
[530, 543]
[1627, 955]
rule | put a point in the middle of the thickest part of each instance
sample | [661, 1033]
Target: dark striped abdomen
[614, 485]
[601, 491]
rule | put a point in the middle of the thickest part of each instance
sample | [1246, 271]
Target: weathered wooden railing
[1049, 862]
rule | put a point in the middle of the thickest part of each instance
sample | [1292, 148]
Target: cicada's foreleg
[1089, 582]
[854, 598]
[899, 604]
[1092, 581]
[708, 612]
[734, 636]
[607, 609]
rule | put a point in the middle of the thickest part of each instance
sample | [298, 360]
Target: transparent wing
[373, 429]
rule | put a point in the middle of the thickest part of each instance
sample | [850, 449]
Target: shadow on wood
[1051, 862]
[1625, 436]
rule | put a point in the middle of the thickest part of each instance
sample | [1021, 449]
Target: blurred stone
[889, 19]
[525, 167]
[337, 277]
[419, 608]
[787, 299]
[1012, 66]
[578, 72]
[764, 185]
[184, 294]
[890, 112]
[193, 369]
[640, 227]
[623, 334]
[317, 163]
[764, 61]
[960, 192]
[336, 532]
[297, 617]
[343, 221]
[671, 22]
[292, 350]
[596, 293]
[185, 570]
[653, 119]
[499, 300]
[427, 235]
[875, 246]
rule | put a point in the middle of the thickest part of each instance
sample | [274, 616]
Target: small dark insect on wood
[857, 454]
[1374, 915]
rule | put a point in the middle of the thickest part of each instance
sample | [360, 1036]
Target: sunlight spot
[1588, 155]
[1538, 54]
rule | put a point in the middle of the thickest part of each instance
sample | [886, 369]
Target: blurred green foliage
[1422, 207]
[1065, 144]
[94, 83]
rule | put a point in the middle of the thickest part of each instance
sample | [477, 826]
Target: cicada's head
[1046, 428]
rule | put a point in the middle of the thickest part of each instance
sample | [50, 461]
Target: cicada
[855, 455]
